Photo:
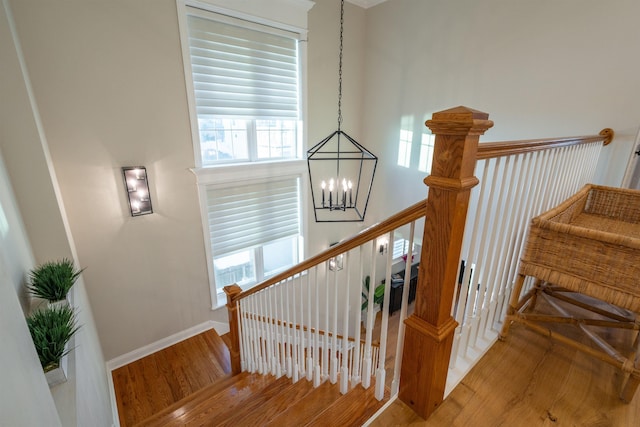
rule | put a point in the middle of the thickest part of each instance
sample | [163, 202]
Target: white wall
[33, 230]
[539, 68]
[109, 82]
[24, 394]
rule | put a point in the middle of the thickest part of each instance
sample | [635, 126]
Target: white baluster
[355, 372]
[381, 371]
[344, 373]
[242, 335]
[366, 368]
[395, 383]
[279, 332]
[326, 341]
[333, 376]
[255, 337]
[317, 373]
[295, 328]
[266, 333]
[310, 340]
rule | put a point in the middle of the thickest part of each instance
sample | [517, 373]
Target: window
[401, 248]
[404, 141]
[246, 86]
[426, 152]
[254, 230]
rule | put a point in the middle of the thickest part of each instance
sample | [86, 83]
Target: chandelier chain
[340, 65]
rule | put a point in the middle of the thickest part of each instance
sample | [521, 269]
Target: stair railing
[526, 175]
[518, 180]
[293, 324]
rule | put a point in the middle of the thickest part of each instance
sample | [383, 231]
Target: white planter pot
[60, 303]
[58, 375]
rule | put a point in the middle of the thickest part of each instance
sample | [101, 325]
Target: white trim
[261, 11]
[112, 395]
[223, 176]
[163, 343]
[381, 410]
[366, 4]
[633, 163]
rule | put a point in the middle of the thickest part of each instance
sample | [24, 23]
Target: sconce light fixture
[383, 246]
[137, 185]
[336, 263]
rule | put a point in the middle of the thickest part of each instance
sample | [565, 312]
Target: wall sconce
[137, 185]
[383, 246]
[336, 263]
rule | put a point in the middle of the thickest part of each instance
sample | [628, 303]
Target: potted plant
[51, 329]
[53, 280]
[378, 297]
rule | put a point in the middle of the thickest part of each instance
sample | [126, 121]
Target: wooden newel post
[234, 328]
[430, 329]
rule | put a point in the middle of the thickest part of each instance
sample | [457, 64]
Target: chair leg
[511, 310]
[632, 380]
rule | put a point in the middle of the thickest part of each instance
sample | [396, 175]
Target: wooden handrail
[490, 150]
[403, 217]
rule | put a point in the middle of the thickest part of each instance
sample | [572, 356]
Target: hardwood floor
[153, 383]
[189, 384]
[529, 380]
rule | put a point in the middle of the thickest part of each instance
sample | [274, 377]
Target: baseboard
[141, 352]
[381, 410]
[220, 327]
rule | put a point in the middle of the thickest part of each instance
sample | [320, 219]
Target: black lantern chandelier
[340, 169]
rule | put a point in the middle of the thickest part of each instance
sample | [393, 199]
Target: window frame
[185, 8]
[229, 174]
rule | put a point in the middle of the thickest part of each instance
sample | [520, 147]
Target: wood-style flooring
[530, 380]
[189, 384]
[153, 383]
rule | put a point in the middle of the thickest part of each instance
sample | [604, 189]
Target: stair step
[267, 406]
[221, 396]
[252, 399]
[149, 385]
[306, 409]
[351, 409]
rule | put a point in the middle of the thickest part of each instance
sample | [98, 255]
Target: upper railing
[292, 323]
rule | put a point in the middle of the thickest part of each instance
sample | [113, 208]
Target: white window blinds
[246, 216]
[241, 69]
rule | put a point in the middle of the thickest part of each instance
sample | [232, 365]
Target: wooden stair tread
[351, 409]
[149, 385]
[217, 397]
[266, 406]
[315, 402]
[252, 399]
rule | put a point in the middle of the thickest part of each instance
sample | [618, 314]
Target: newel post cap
[459, 121]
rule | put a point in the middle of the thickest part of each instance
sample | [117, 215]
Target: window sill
[228, 173]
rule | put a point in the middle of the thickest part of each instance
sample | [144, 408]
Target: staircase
[253, 400]
[257, 400]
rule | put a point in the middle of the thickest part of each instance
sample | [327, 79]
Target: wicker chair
[586, 252]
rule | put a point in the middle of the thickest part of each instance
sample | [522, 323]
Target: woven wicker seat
[589, 244]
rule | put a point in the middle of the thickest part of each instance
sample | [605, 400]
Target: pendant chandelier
[340, 169]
